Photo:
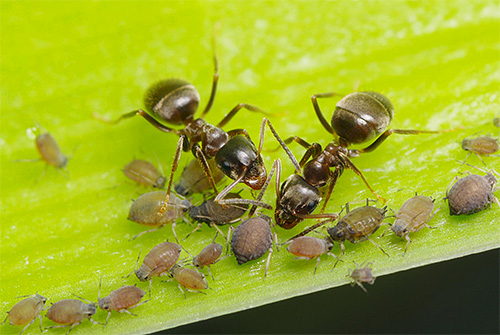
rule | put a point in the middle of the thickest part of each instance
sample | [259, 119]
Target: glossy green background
[61, 61]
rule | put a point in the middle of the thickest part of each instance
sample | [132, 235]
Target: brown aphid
[496, 122]
[70, 313]
[413, 216]
[356, 226]
[26, 311]
[362, 274]
[481, 146]
[121, 300]
[144, 173]
[307, 247]
[194, 180]
[145, 211]
[158, 261]
[471, 194]
[191, 280]
[50, 152]
[252, 239]
[208, 256]
[211, 212]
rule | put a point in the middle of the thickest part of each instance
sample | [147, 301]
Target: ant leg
[216, 77]
[351, 166]
[284, 146]
[333, 180]
[321, 118]
[175, 164]
[389, 132]
[330, 217]
[229, 187]
[235, 110]
[206, 167]
[276, 165]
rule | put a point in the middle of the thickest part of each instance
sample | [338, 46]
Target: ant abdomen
[172, 100]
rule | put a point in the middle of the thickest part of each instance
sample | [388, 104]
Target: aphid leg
[95, 322]
[107, 318]
[361, 285]
[268, 260]
[389, 132]
[317, 263]
[407, 238]
[62, 326]
[218, 229]
[342, 249]
[127, 311]
[377, 245]
[351, 166]
[320, 115]
[208, 270]
[333, 255]
[478, 156]
[40, 323]
[198, 227]
[6, 317]
[449, 186]
[194, 291]
[230, 231]
[41, 176]
[180, 288]
[29, 324]
[235, 110]
[150, 282]
[175, 234]
[275, 235]
[141, 303]
[148, 231]
[175, 164]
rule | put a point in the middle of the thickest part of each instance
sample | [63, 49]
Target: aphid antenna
[472, 166]
[186, 251]
[90, 302]
[159, 164]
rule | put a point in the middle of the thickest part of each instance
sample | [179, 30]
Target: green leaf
[62, 61]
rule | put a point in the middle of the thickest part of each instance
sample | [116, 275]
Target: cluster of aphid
[359, 118]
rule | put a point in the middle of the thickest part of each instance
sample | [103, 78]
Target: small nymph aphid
[362, 274]
[191, 280]
[121, 300]
[307, 247]
[144, 173]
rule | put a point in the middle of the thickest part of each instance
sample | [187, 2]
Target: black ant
[176, 101]
[358, 118]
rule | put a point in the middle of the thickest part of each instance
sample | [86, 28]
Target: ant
[176, 101]
[358, 118]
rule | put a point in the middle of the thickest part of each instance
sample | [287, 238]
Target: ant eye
[311, 206]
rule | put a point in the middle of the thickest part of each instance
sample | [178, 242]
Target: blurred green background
[438, 62]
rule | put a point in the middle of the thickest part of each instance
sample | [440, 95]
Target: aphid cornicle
[158, 261]
[413, 216]
[252, 239]
[307, 247]
[121, 300]
[357, 225]
[144, 173]
[362, 274]
[191, 280]
[70, 313]
[26, 311]
[145, 210]
[471, 194]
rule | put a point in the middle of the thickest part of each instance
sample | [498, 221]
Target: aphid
[176, 101]
[481, 146]
[194, 180]
[307, 247]
[413, 216]
[50, 152]
[145, 210]
[121, 300]
[356, 226]
[252, 239]
[208, 256]
[362, 274]
[191, 280]
[496, 122]
[158, 261]
[144, 173]
[26, 311]
[71, 312]
[211, 212]
[359, 117]
[471, 194]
